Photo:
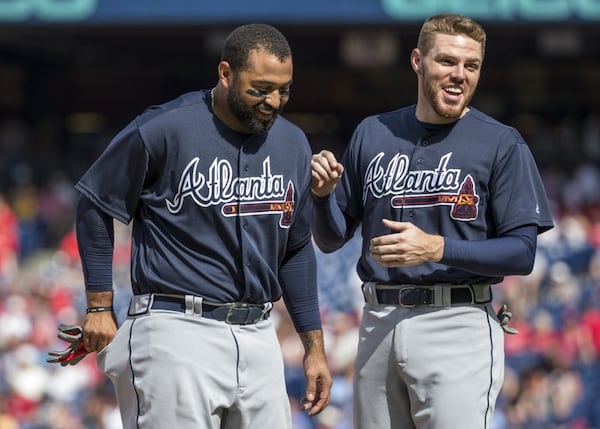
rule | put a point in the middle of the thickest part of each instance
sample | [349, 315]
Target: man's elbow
[525, 265]
[328, 246]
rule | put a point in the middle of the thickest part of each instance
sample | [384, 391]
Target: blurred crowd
[552, 372]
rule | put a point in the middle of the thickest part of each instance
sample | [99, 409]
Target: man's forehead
[456, 44]
[262, 65]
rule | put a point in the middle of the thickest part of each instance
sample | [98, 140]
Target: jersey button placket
[243, 171]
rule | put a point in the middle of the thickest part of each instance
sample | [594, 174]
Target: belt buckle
[400, 303]
[232, 319]
[228, 317]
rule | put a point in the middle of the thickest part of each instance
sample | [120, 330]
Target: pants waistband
[437, 295]
[235, 313]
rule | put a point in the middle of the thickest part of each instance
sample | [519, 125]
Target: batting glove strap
[76, 351]
[504, 317]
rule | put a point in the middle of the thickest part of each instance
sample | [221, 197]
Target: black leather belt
[437, 295]
[235, 314]
[410, 297]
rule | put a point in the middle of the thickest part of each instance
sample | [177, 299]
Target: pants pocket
[112, 358]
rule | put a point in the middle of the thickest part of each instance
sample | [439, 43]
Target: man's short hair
[247, 38]
[452, 24]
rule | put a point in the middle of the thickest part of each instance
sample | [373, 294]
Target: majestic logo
[239, 196]
[422, 188]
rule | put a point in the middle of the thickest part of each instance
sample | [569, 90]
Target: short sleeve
[115, 180]
[517, 193]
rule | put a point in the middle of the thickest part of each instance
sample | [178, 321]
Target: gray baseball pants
[174, 370]
[427, 368]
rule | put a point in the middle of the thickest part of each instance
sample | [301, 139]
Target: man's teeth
[454, 90]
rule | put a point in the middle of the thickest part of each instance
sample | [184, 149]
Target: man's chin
[262, 126]
[450, 112]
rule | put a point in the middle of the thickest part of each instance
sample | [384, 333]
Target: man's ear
[225, 73]
[415, 60]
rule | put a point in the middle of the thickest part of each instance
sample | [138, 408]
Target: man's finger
[395, 225]
[319, 402]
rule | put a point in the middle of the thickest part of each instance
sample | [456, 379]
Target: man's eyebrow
[443, 56]
[269, 82]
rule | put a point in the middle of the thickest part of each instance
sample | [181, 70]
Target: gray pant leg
[426, 368]
[172, 370]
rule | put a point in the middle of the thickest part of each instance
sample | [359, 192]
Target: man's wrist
[99, 309]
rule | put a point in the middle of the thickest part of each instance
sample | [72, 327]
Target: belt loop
[481, 293]
[189, 305]
[197, 306]
[446, 295]
[140, 304]
[268, 306]
[370, 293]
[193, 305]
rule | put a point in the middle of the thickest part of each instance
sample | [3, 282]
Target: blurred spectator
[9, 243]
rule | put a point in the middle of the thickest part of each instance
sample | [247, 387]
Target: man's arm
[511, 254]
[299, 283]
[318, 377]
[328, 224]
[95, 238]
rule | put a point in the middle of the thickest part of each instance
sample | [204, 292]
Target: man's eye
[257, 92]
[284, 92]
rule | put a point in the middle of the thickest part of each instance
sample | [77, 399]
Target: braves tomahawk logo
[284, 207]
[239, 196]
[422, 188]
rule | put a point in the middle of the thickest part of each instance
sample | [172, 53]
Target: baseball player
[450, 201]
[217, 185]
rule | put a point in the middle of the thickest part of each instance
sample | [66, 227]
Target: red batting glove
[72, 334]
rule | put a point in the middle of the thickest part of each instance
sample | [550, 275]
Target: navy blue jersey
[197, 193]
[473, 179]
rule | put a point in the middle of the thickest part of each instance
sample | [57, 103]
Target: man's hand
[100, 327]
[326, 173]
[318, 377]
[99, 330]
[407, 246]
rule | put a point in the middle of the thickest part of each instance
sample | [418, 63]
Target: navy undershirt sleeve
[95, 240]
[329, 225]
[511, 254]
[299, 283]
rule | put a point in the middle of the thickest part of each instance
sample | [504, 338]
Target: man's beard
[443, 110]
[247, 114]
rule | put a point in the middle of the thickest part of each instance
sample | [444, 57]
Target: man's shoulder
[479, 116]
[288, 129]
[189, 101]
[388, 122]
[493, 125]
[396, 114]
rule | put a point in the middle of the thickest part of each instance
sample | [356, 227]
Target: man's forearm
[329, 226]
[313, 341]
[99, 299]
